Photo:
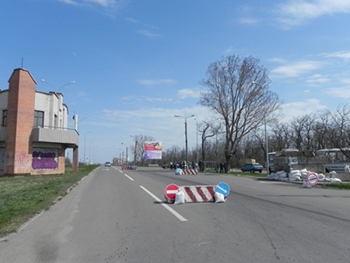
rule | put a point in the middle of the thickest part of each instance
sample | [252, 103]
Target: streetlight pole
[267, 151]
[266, 139]
[120, 157]
[85, 146]
[57, 89]
[90, 152]
[196, 141]
[186, 142]
[126, 157]
[125, 152]
[134, 137]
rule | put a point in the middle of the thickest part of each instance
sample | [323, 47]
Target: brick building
[33, 133]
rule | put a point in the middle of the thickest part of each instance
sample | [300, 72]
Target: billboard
[152, 150]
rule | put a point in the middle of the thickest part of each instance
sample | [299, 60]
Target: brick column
[20, 119]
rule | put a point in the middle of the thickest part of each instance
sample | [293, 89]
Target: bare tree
[321, 132]
[280, 137]
[139, 144]
[207, 129]
[303, 129]
[238, 92]
[339, 130]
[172, 154]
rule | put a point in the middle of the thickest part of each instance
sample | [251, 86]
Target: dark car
[166, 165]
[108, 164]
[252, 167]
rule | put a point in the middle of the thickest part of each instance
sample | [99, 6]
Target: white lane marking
[126, 175]
[129, 177]
[180, 217]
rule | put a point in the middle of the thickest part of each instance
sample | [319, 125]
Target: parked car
[166, 165]
[108, 164]
[252, 167]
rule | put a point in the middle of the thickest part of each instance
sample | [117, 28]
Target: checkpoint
[196, 193]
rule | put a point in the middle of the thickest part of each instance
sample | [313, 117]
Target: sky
[136, 64]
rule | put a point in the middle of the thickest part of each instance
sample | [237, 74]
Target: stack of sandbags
[178, 171]
[280, 176]
[295, 175]
[300, 175]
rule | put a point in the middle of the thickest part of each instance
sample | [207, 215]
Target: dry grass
[23, 197]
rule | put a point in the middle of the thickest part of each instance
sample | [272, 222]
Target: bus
[336, 154]
[338, 157]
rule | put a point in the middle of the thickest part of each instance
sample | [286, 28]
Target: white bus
[337, 155]
[338, 159]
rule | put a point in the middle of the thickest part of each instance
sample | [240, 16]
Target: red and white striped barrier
[198, 193]
[180, 171]
[189, 171]
[132, 167]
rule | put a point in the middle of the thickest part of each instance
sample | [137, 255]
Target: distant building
[33, 133]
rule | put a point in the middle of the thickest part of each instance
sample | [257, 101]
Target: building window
[38, 118]
[55, 121]
[4, 118]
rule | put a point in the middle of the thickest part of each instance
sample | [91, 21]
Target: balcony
[50, 135]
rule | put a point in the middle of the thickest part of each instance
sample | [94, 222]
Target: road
[116, 215]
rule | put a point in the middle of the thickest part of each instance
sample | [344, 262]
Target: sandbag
[219, 198]
[321, 177]
[179, 198]
[178, 171]
[306, 185]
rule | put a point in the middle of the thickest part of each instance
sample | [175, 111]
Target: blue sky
[138, 63]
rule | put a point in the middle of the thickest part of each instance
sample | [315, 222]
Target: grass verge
[23, 197]
[344, 186]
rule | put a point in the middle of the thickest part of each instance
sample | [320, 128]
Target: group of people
[183, 165]
[220, 167]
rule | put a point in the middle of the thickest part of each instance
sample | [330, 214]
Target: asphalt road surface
[118, 215]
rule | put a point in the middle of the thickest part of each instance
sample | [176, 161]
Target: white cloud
[132, 98]
[340, 54]
[296, 69]
[189, 93]
[154, 82]
[317, 79]
[155, 99]
[69, 2]
[296, 12]
[131, 20]
[300, 108]
[128, 98]
[278, 60]
[105, 4]
[343, 93]
[345, 80]
[228, 51]
[148, 33]
[248, 21]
